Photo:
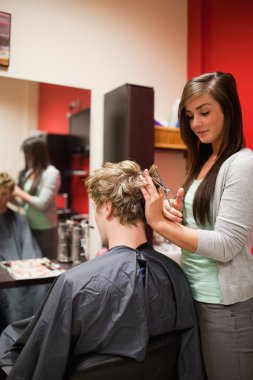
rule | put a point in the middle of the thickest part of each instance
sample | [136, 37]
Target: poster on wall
[5, 29]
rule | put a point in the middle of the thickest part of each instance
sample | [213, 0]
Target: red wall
[220, 35]
[79, 195]
[54, 104]
[53, 107]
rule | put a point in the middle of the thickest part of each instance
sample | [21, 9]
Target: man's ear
[108, 208]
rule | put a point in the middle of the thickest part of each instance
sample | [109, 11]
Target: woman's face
[206, 119]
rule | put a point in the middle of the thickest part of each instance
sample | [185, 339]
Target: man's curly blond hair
[120, 183]
[7, 181]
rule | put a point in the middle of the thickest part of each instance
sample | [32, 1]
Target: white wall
[18, 110]
[100, 45]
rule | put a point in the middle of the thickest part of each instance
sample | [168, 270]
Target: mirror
[28, 106]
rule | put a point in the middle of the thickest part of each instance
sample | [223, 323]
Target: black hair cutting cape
[112, 304]
[16, 243]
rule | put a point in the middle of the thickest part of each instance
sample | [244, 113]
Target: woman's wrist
[158, 224]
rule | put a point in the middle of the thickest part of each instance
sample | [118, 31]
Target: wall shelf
[168, 138]
[76, 172]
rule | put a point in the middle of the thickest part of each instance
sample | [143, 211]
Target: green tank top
[37, 218]
[201, 272]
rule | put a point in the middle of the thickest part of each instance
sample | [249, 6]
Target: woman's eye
[190, 117]
[204, 113]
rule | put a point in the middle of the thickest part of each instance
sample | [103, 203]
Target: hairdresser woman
[215, 235]
[38, 190]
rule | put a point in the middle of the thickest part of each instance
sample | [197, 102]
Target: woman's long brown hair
[222, 87]
[36, 156]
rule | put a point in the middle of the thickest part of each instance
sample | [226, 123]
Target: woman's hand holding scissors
[170, 207]
[173, 210]
[153, 200]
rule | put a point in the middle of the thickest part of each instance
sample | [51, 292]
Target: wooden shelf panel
[168, 138]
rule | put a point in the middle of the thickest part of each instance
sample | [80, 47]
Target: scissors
[166, 190]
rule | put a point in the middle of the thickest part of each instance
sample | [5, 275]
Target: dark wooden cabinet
[59, 154]
[129, 124]
[73, 166]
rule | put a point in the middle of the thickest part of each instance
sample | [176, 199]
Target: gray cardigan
[48, 189]
[231, 240]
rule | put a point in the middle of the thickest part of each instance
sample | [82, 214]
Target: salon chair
[160, 363]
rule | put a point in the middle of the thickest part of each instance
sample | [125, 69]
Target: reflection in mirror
[57, 111]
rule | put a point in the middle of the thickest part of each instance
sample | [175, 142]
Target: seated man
[114, 303]
[16, 242]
